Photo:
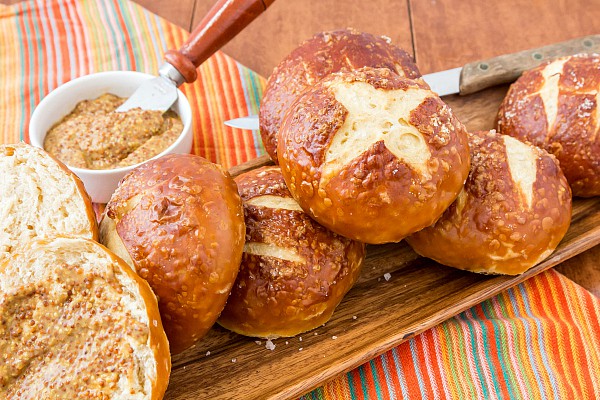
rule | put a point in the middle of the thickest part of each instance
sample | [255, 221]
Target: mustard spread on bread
[95, 136]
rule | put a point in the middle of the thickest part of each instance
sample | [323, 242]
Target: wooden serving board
[375, 316]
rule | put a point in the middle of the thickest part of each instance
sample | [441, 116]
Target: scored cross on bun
[373, 156]
[314, 59]
[294, 272]
[556, 106]
[78, 323]
[512, 213]
[40, 197]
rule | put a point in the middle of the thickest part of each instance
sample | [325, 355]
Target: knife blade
[249, 123]
[479, 75]
[158, 93]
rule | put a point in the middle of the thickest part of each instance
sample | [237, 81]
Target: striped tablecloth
[46, 43]
[539, 340]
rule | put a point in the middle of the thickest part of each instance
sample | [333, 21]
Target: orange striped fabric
[46, 43]
[539, 340]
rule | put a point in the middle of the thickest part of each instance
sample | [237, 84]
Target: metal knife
[479, 75]
[224, 20]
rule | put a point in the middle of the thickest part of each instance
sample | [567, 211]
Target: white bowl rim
[78, 81]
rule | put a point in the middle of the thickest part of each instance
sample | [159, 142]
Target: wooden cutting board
[375, 316]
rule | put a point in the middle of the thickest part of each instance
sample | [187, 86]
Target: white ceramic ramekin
[100, 184]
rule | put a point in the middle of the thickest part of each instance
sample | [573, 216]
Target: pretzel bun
[555, 107]
[317, 57]
[373, 156]
[78, 323]
[179, 222]
[40, 197]
[513, 211]
[294, 272]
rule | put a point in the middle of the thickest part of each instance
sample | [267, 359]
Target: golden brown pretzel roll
[317, 57]
[179, 222]
[513, 211]
[78, 323]
[294, 271]
[556, 107]
[373, 156]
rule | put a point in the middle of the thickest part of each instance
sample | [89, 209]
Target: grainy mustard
[94, 136]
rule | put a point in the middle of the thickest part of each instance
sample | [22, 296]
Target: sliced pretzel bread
[76, 322]
[294, 272]
[40, 197]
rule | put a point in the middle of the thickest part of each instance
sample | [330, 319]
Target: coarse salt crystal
[233, 360]
[387, 276]
[270, 345]
[208, 353]
[334, 337]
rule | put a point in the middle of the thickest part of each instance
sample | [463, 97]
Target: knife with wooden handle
[506, 68]
[224, 20]
[479, 75]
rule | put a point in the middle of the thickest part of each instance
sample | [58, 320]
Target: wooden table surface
[440, 34]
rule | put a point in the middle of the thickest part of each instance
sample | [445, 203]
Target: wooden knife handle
[507, 68]
[224, 20]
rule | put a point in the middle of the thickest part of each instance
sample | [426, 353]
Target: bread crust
[555, 107]
[78, 322]
[294, 272]
[179, 219]
[317, 57]
[501, 224]
[380, 170]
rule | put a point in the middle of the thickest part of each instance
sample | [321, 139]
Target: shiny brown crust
[317, 57]
[180, 221]
[73, 272]
[491, 228]
[274, 296]
[570, 86]
[375, 197]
